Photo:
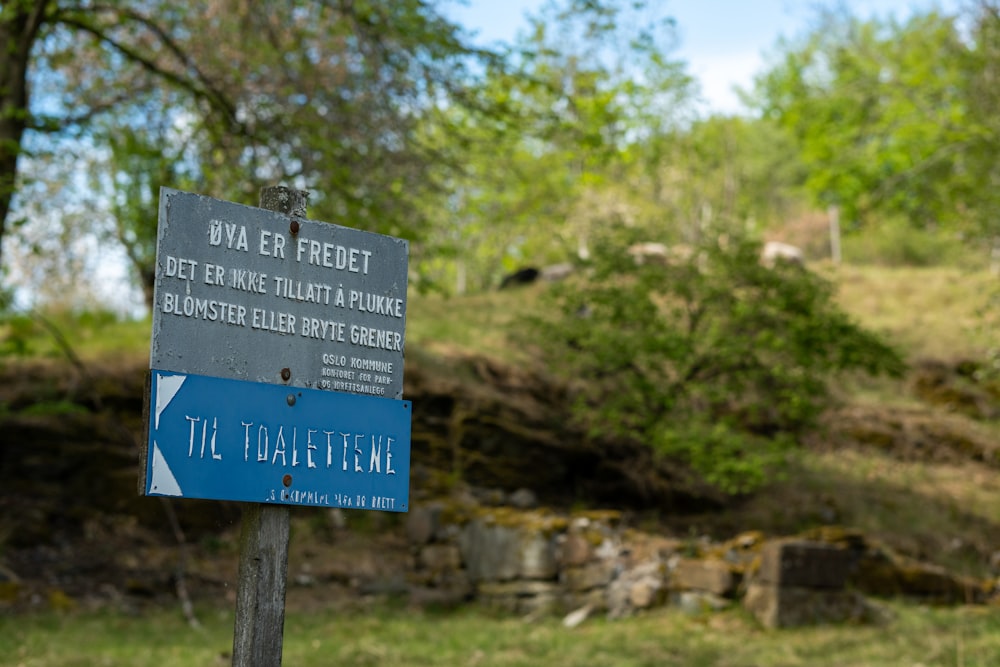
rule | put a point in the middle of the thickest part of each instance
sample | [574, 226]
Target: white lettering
[375, 463]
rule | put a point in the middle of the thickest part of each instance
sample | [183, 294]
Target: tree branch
[198, 85]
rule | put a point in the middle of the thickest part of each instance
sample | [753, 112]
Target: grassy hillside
[939, 312]
[913, 463]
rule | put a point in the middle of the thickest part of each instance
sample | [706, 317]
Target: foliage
[83, 335]
[715, 360]
[140, 160]
[16, 332]
[724, 172]
[332, 97]
[890, 118]
[488, 159]
[71, 61]
[895, 242]
[587, 82]
[229, 97]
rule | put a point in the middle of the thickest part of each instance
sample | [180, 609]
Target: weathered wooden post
[276, 379]
[260, 597]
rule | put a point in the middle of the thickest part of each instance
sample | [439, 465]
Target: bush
[716, 361]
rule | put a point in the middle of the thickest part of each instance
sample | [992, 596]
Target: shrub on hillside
[716, 361]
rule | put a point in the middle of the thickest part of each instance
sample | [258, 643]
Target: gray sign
[249, 294]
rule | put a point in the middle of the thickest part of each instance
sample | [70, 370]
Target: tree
[718, 173]
[717, 362]
[981, 93]
[139, 161]
[335, 96]
[879, 112]
[583, 86]
[113, 40]
[319, 94]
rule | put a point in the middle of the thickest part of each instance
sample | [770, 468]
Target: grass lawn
[400, 637]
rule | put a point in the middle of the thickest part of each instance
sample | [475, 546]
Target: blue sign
[223, 439]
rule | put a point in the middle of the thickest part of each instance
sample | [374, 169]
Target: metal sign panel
[249, 294]
[223, 439]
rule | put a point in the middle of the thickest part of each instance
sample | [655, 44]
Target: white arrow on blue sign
[224, 439]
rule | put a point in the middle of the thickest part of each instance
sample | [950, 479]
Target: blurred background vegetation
[486, 158]
[871, 144]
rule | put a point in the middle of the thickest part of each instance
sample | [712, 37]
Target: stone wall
[528, 560]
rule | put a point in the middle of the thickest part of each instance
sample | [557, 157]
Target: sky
[724, 42]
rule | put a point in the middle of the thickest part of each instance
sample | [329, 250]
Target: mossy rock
[542, 521]
[889, 575]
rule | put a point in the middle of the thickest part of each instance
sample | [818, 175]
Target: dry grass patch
[931, 312]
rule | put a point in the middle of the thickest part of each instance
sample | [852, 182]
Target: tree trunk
[19, 29]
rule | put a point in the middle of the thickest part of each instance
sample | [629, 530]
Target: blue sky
[724, 42]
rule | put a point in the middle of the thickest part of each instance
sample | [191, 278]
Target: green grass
[476, 323]
[89, 336]
[963, 637]
[942, 312]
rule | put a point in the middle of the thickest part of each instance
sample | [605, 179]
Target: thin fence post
[834, 216]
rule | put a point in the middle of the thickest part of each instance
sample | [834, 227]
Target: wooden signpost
[276, 370]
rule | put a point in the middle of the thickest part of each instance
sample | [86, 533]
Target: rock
[439, 558]
[882, 574]
[577, 616]
[574, 550]
[490, 552]
[494, 552]
[777, 607]
[423, 523]
[640, 587]
[805, 564]
[642, 594]
[517, 588]
[521, 597]
[447, 597]
[596, 599]
[537, 557]
[556, 272]
[587, 577]
[698, 602]
[523, 499]
[710, 576]
[489, 497]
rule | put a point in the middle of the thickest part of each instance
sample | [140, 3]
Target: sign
[225, 439]
[276, 360]
[245, 293]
